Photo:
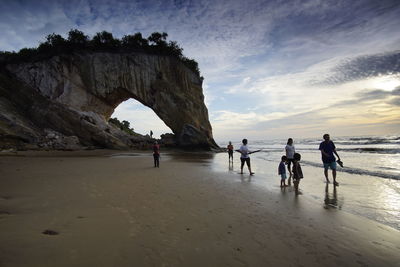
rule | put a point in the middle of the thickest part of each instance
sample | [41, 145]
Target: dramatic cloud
[267, 64]
[365, 67]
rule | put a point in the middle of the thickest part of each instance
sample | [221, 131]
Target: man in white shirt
[244, 150]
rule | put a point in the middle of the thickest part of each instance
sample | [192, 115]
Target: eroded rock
[74, 96]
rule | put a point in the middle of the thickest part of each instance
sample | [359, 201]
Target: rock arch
[95, 83]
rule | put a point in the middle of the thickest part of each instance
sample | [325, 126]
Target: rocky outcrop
[74, 95]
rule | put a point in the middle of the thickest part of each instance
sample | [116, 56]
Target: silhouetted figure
[230, 151]
[244, 158]
[289, 148]
[282, 171]
[156, 154]
[328, 148]
[297, 172]
[151, 134]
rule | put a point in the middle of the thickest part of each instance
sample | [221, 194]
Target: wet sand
[121, 211]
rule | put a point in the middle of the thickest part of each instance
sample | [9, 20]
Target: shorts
[230, 152]
[331, 165]
[283, 176]
[247, 160]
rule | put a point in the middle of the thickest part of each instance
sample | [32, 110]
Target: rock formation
[71, 97]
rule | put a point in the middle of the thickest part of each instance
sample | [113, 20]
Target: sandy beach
[91, 209]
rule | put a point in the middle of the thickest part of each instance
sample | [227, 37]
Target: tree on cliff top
[55, 44]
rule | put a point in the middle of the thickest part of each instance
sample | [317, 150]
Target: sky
[272, 69]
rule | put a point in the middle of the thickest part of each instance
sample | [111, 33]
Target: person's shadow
[331, 200]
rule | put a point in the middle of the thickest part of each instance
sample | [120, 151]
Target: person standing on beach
[282, 171]
[230, 151]
[244, 158]
[290, 150]
[328, 148]
[297, 173]
[156, 154]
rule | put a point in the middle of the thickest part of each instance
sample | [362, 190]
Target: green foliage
[123, 126]
[26, 53]
[77, 41]
[191, 64]
[158, 38]
[134, 41]
[105, 40]
[55, 40]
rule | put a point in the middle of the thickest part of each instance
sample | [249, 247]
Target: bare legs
[248, 165]
[156, 161]
[333, 175]
[296, 186]
[230, 156]
[326, 175]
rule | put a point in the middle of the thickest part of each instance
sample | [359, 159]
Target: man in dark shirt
[328, 148]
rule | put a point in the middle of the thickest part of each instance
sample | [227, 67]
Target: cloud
[369, 108]
[260, 58]
[364, 67]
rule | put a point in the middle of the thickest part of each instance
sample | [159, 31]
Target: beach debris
[50, 232]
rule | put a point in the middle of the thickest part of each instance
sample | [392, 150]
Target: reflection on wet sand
[192, 156]
[331, 200]
[230, 167]
[245, 178]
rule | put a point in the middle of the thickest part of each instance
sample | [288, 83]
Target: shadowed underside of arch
[91, 85]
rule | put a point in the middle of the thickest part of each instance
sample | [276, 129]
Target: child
[297, 172]
[282, 171]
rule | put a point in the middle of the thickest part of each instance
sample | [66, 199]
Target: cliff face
[82, 91]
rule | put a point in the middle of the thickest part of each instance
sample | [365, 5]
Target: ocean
[369, 181]
[370, 155]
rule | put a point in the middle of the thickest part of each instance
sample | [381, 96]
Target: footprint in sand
[50, 232]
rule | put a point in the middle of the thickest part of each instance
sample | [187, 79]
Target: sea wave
[371, 150]
[376, 150]
[374, 138]
[357, 171]
[368, 142]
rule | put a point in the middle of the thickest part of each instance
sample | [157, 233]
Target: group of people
[328, 152]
